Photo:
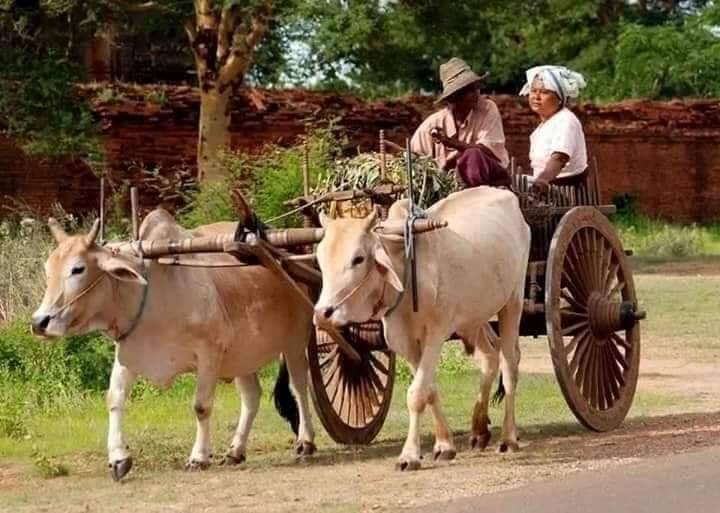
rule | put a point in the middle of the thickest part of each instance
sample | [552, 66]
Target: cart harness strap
[408, 254]
[141, 309]
[252, 225]
[409, 241]
[137, 249]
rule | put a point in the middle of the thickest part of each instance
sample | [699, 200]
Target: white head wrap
[565, 82]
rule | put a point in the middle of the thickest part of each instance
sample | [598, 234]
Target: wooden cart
[579, 292]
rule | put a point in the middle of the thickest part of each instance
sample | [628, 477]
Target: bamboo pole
[306, 170]
[383, 168]
[102, 210]
[134, 212]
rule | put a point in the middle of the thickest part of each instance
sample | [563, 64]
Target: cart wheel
[591, 314]
[352, 398]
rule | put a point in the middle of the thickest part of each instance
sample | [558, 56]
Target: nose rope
[138, 315]
[354, 290]
[81, 294]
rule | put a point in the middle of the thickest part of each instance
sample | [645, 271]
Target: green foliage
[157, 96]
[666, 61]
[39, 105]
[210, 204]
[279, 175]
[48, 467]
[269, 179]
[363, 171]
[640, 49]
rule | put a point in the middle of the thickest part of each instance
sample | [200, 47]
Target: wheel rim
[352, 398]
[592, 321]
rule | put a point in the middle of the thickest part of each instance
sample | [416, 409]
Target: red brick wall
[665, 154]
[36, 184]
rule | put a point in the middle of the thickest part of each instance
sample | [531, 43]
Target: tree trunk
[213, 133]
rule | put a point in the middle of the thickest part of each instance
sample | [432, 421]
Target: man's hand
[438, 135]
[540, 186]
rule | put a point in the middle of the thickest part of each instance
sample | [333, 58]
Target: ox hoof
[408, 464]
[305, 449]
[193, 465]
[444, 455]
[508, 447]
[120, 468]
[230, 459]
[480, 441]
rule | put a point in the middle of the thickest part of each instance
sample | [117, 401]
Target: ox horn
[57, 231]
[371, 218]
[92, 235]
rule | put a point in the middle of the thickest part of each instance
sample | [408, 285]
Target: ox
[221, 323]
[467, 273]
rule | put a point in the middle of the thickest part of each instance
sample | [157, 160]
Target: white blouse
[562, 133]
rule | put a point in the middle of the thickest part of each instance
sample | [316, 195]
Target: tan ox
[220, 323]
[467, 273]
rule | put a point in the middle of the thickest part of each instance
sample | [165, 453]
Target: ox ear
[122, 269]
[57, 231]
[385, 268]
[324, 220]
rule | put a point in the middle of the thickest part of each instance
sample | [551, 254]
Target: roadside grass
[682, 316]
[160, 427]
[657, 239]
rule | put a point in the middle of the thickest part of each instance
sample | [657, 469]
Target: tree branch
[200, 65]
[244, 43]
[228, 25]
[150, 6]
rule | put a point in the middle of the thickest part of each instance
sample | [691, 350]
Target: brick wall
[36, 184]
[665, 154]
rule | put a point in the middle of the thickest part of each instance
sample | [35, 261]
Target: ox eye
[358, 260]
[78, 269]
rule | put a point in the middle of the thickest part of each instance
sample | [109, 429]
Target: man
[467, 134]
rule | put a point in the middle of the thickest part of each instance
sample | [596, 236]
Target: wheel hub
[607, 316]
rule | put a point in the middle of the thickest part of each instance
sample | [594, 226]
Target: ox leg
[419, 394]
[509, 318]
[297, 365]
[486, 354]
[248, 388]
[121, 381]
[203, 404]
[444, 448]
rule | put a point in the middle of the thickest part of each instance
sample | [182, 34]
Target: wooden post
[596, 172]
[307, 217]
[102, 210]
[383, 169]
[306, 169]
[134, 212]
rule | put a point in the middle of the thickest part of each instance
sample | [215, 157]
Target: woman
[557, 145]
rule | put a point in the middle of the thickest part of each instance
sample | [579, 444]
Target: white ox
[221, 323]
[466, 274]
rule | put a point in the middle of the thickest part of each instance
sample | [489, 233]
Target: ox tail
[499, 393]
[285, 402]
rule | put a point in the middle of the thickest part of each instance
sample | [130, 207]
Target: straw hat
[455, 75]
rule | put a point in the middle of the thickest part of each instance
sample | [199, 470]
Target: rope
[296, 210]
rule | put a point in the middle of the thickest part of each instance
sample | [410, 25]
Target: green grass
[655, 238]
[160, 427]
[682, 316]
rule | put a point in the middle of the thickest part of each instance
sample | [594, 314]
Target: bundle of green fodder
[431, 184]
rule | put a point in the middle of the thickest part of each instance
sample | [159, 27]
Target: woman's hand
[540, 185]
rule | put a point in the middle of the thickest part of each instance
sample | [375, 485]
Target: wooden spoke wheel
[352, 398]
[591, 315]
